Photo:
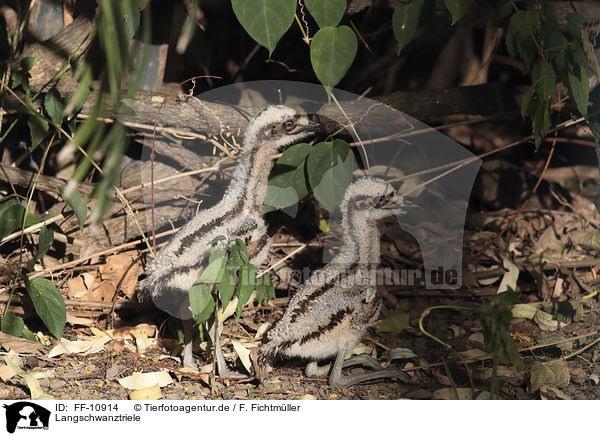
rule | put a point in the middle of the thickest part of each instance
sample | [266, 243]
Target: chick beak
[399, 202]
[310, 127]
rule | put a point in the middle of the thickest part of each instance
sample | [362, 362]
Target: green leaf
[246, 285]
[577, 80]
[11, 219]
[457, 8]
[29, 335]
[200, 297]
[48, 303]
[332, 51]
[217, 239]
[326, 12]
[575, 22]
[131, 18]
[540, 117]
[329, 167]
[76, 201]
[54, 106]
[543, 78]
[27, 63]
[265, 20]
[526, 99]
[597, 203]
[512, 352]
[287, 182]
[556, 44]
[45, 242]
[519, 40]
[265, 289]
[216, 265]
[393, 324]
[38, 127]
[503, 9]
[17, 78]
[226, 288]
[238, 255]
[12, 324]
[208, 311]
[405, 20]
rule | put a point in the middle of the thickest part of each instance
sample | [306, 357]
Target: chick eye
[380, 201]
[288, 125]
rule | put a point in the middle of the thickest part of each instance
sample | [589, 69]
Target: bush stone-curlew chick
[331, 312]
[237, 215]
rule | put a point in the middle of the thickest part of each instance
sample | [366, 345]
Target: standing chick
[331, 312]
[237, 215]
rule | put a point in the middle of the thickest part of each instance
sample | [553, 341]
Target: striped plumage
[237, 215]
[329, 314]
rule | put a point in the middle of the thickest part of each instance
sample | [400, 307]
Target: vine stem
[351, 125]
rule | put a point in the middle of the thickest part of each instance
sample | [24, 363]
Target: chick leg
[188, 334]
[338, 380]
[314, 370]
[362, 359]
[222, 369]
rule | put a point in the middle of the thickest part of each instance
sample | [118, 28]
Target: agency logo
[26, 415]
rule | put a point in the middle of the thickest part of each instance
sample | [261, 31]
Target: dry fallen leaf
[75, 320]
[243, 353]
[139, 380]
[83, 347]
[509, 280]
[35, 389]
[6, 372]
[149, 393]
[78, 287]
[549, 374]
[19, 345]
[119, 268]
[127, 332]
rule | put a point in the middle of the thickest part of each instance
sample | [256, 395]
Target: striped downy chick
[238, 215]
[330, 313]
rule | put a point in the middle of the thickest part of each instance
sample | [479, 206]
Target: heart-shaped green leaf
[38, 127]
[578, 83]
[326, 12]
[200, 298]
[216, 265]
[457, 8]
[332, 51]
[54, 106]
[265, 20]
[12, 324]
[287, 183]
[46, 239]
[543, 78]
[405, 20]
[329, 167]
[48, 303]
[226, 287]
[265, 288]
[246, 285]
[11, 219]
[76, 201]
